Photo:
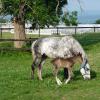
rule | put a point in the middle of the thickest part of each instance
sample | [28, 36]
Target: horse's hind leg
[43, 58]
[33, 68]
[40, 71]
[34, 64]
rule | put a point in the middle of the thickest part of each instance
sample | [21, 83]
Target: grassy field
[15, 71]
[7, 35]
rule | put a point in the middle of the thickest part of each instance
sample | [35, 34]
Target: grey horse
[58, 47]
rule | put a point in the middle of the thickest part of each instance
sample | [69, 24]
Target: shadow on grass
[93, 74]
[48, 75]
[77, 75]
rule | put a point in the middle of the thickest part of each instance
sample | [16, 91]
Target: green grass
[15, 71]
[7, 35]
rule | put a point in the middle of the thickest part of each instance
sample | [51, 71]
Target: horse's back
[54, 47]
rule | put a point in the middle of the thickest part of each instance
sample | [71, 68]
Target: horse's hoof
[59, 83]
[66, 82]
[40, 79]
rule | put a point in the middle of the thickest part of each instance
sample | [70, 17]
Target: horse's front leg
[69, 75]
[55, 73]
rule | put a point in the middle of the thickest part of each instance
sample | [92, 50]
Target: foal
[65, 63]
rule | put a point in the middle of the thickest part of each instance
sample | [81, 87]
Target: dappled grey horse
[58, 47]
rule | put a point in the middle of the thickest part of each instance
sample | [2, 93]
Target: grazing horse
[58, 47]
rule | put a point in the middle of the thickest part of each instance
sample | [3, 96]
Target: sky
[90, 9]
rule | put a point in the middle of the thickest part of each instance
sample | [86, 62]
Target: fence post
[39, 31]
[94, 29]
[57, 31]
[75, 30]
[30, 42]
[0, 32]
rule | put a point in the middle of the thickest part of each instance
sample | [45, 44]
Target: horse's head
[85, 70]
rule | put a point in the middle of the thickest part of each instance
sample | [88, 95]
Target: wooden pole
[1, 33]
[57, 31]
[39, 32]
[94, 30]
[75, 30]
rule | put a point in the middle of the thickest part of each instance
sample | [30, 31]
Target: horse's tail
[33, 50]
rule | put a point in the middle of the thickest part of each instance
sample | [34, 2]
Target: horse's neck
[85, 61]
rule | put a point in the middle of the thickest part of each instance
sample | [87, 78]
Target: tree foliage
[44, 12]
[97, 21]
[38, 12]
[2, 20]
[70, 18]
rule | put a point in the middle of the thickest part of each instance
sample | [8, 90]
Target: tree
[97, 21]
[73, 18]
[16, 8]
[66, 19]
[70, 18]
[38, 12]
[47, 12]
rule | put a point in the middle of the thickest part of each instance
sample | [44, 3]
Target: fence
[16, 49]
[57, 31]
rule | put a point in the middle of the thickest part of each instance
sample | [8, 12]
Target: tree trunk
[19, 25]
[19, 33]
